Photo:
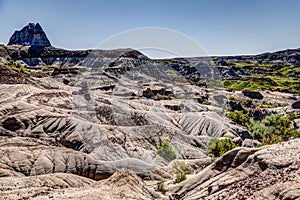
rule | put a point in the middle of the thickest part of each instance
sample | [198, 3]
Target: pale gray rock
[251, 143]
[250, 173]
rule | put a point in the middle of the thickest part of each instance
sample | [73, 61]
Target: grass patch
[161, 187]
[166, 151]
[274, 83]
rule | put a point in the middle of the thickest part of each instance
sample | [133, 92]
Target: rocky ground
[89, 124]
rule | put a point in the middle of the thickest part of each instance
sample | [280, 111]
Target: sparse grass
[273, 83]
[161, 187]
[166, 151]
[206, 103]
[38, 74]
[182, 169]
[180, 176]
[24, 70]
[162, 97]
[47, 69]
[271, 105]
[285, 71]
[181, 166]
[17, 67]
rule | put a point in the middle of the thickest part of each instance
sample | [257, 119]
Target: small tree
[166, 151]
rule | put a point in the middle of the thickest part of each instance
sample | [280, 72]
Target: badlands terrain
[115, 124]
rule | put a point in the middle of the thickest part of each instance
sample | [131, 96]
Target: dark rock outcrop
[30, 35]
[252, 94]
[296, 105]
[235, 105]
[9, 76]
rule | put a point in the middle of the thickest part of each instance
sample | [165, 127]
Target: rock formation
[31, 35]
[88, 124]
[248, 173]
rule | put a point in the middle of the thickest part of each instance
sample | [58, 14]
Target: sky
[220, 27]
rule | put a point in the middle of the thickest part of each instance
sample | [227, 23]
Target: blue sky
[222, 27]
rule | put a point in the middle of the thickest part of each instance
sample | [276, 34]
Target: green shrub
[218, 147]
[166, 151]
[248, 102]
[273, 129]
[239, 117]
[232, 98]
[23, 70]
[294, 115]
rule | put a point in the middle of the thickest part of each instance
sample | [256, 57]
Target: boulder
[251, 143]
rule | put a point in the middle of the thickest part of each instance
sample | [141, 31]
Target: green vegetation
[17, 67]
[23, 70]
[162, 97]
[166, 151]
[271, 105]
[239, 117]
[180, 166]
[273, 129]
[161, 187]
[13, 65]
[218, 147]
[262, 76]
[249, 66]
[206, 102]
[247, 83]
[285, 71]
[232, 98]
[38, 74]
[182, 169]
[265, 76]
[180, 176]
[248, 103]
[47, 69]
